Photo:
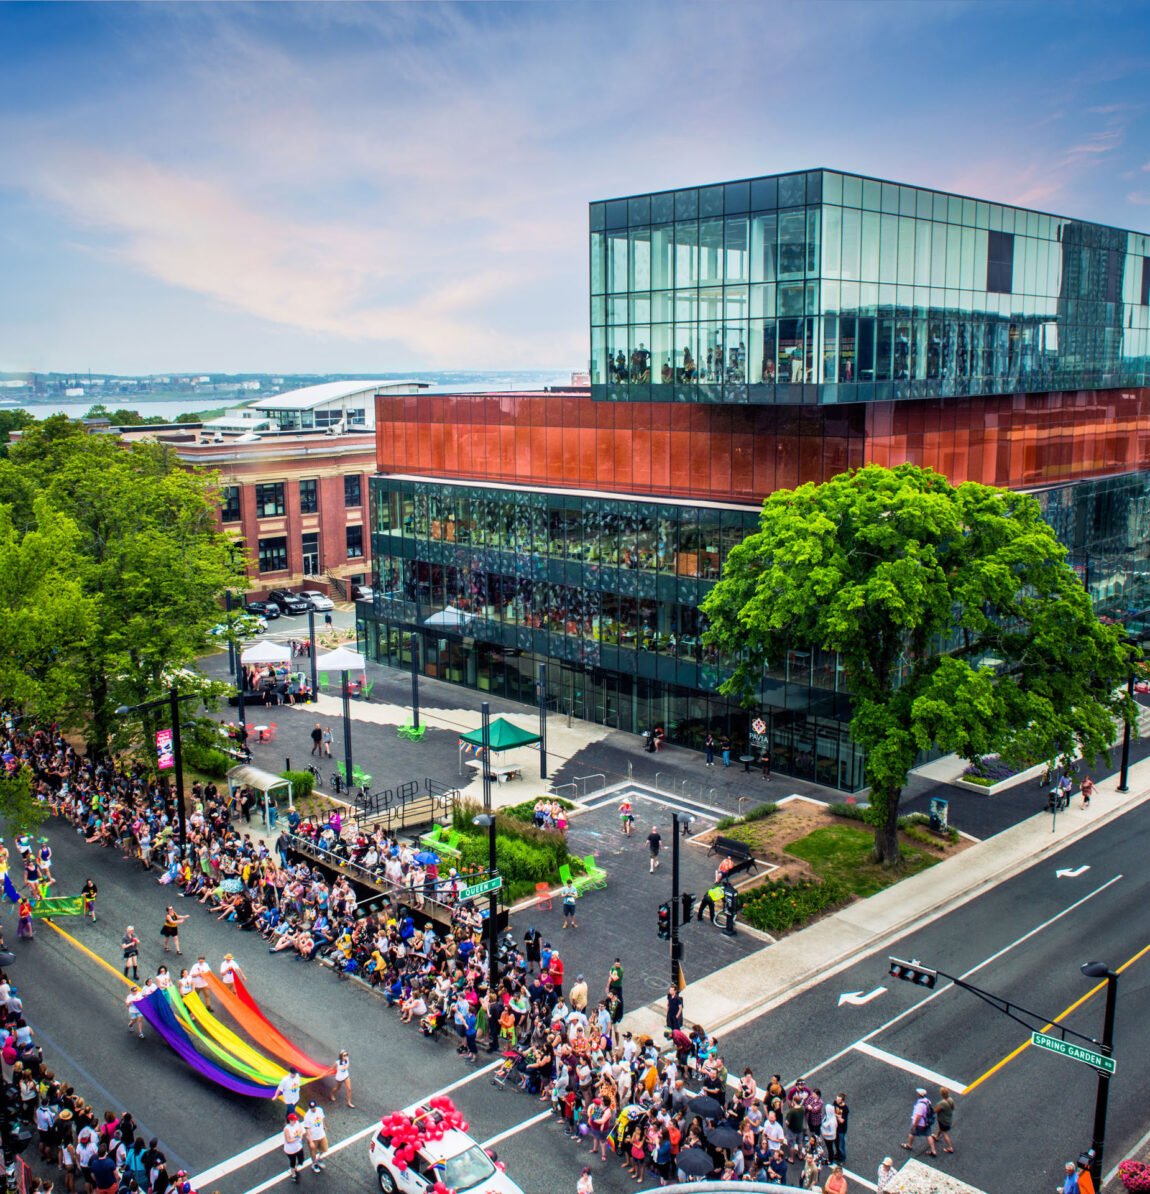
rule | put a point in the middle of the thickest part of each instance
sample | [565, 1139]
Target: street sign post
[478, 889]
[1075, 1052]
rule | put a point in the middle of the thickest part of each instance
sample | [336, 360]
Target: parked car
[318, 600]
[252, 624]
[288, 602]
[265, 609]
[456, 1160]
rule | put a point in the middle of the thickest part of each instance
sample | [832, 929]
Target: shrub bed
[524, 855]
[302, 783]
[526, 810]
[758, 813]
[779, 905]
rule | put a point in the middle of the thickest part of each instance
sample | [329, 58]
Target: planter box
[1023, 777]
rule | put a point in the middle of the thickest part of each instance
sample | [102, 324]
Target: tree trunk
[886, 847]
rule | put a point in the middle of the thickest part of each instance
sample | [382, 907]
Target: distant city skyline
[324, 188]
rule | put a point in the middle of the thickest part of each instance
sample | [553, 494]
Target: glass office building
[748, 337]
[822, 287]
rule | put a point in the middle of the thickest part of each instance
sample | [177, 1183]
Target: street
[1024, 939]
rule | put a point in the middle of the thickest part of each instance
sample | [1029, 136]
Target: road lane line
[911, 1067]
[1057, 1019]
[527, 1123]
[973, 970]
[240, 1160]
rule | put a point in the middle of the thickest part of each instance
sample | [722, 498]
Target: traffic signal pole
[676, 944]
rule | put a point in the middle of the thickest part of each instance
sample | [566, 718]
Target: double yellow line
[1057, 1019]
[94, 956]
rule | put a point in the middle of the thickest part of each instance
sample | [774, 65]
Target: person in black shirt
[654, 841]
[674, 1009]
[89, 891]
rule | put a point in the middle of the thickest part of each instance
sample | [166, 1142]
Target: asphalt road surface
[1024, 940]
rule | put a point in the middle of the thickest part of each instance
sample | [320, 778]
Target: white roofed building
[331, 404]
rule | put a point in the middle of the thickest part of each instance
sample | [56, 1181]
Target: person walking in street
[171, 930]
[135, 1017]
[317, 740]
[24, 921]
[89, 892]
[709, 746]
[293, 1134]
[287, 1091]
[314, 1124]
[626, 817]
[1070, 1181]
[570, 894]
[328, 739]
[229, 968]
[654, 841]
[342, 1077]
[921, 1121]
[1087, 791]
[944, 1113]
[130, 945]
[199, 972]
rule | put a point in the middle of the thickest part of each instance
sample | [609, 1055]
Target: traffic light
[688, 898]
[665, 920]
[913, 972]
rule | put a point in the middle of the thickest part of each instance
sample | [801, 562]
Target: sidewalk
[752, 986]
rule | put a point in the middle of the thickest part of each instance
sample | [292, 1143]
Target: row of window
[273, 552]
[269, 497]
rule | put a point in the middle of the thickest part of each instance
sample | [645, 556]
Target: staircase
[339, 588]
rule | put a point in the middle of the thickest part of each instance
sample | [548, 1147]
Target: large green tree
[144, 554]
[953, 609]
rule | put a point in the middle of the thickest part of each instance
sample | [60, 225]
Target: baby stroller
[510, 1070]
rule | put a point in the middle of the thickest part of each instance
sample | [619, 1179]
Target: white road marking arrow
[857, 998]
[1069, 874]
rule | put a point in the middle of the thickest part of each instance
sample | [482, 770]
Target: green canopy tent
[501, 735]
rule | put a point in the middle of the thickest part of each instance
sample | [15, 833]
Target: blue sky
[341, 188]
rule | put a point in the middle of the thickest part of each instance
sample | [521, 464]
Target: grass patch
[758, 813]
[842, 854]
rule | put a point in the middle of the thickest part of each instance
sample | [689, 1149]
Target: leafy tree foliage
[19, 809]
[134, 535]
[13, 420]
[957, 617]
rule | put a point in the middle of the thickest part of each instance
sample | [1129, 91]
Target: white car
[250, 624]
[317, 599]
[456, 1160]
[362, 592]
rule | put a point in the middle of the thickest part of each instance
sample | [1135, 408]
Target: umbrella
[266, 652]
[705, 1106]
[694, 1162]
[426, 857]
[724, 1138]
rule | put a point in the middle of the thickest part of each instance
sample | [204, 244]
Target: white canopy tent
[342, 659]
[262, 781]
[266, 652]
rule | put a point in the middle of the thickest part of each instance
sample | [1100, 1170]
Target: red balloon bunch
[409, 1133]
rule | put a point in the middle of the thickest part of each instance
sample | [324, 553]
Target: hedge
[212, 763]
[758, 813]
[779, 905]
[302, 783]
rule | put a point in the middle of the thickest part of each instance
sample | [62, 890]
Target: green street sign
[478, 889]
[1075, 1052]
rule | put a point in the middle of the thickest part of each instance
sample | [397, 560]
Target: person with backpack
[921, 1121]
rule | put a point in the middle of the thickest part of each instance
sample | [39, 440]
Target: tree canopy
[112, 566]
[953, 609]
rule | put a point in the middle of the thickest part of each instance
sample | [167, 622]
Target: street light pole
[1102, 1099]
[178, 756]
[347, 732]
[1122, 785]
[311, 652]
[414, 681]
[231, 638]
[493, 896]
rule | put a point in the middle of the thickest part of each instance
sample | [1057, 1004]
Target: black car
[265, 609]
[289, 603]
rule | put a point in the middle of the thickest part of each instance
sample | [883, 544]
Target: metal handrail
[659, 780]
[557, 788]
[593, 775]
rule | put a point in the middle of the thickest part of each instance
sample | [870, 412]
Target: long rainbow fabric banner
[245, 1011]
[10, 892]
[233, 1051]
[156, 1009]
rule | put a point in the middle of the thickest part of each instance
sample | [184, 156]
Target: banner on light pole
[164, 749]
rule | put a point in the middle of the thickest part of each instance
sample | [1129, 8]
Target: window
[352, 495]
[270, 500]
[273, 555]
[999, 262]
[230, 503]
[308, 497]
[1146, 281]
[310, 546]
[354, 542]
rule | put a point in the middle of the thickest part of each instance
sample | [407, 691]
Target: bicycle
[337, 783]
[313, 771]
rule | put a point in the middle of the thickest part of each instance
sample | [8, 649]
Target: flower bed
[779, 905]
[1134, 1175]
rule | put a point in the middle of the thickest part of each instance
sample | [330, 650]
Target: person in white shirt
[774, 1131]
[342, 1077]
[199, 972]
[287, 1090]
[135, 1018]
[184, 984]
[313, 1121]
[293, 1135]
[229, 968]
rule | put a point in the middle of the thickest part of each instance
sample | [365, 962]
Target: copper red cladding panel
[740, 454]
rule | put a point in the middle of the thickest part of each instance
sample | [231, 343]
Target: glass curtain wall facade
[606, 593]
[823, 287]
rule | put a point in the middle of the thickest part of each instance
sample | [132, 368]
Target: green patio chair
[365, 690]
[322, 677]
[594, 879]
[565, 874]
